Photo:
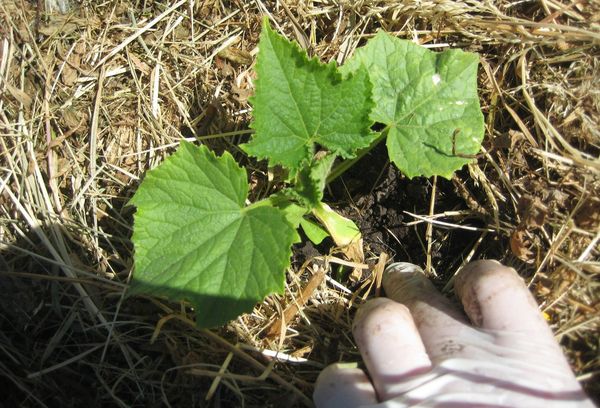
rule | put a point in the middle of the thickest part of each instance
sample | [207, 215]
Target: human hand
[421, 351]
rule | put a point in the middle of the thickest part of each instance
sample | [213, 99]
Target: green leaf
[195, 240]
[311, 180]
[301, 103]
[292, 212]
[424, 98]
[343, 230]
[313, 231]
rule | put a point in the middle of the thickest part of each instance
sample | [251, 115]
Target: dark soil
[376, 196]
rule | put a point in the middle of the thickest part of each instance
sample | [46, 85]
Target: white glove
[424, 352]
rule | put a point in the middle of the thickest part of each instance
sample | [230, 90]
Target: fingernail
[402, 267]
[404, 281]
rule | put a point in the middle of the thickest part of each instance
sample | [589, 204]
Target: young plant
[195, 236]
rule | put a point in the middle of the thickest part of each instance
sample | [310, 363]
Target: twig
[429, 230]
[315, 281]
[447, 224]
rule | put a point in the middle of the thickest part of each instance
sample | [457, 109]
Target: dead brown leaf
[519, 245]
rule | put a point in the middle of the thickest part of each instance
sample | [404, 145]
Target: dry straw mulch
[93, 97]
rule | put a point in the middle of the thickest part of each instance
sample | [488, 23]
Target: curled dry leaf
[69, 75]
[519, 245]
[236, 55]
[532, 211]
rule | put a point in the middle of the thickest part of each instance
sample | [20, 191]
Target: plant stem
[346, 164]
[260, 203]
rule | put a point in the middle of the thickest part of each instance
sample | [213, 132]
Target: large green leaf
[427, 99]
[195, 239]
[301, 103]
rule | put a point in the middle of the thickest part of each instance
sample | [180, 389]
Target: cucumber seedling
[195, 236]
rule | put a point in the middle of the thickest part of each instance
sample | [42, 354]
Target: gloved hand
[424, 352]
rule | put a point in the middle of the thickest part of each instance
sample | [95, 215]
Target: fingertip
[475, 270]
[340, 386]
[407, 283]
[403, 281]
[390, 344]
[436, 317]
[495, 297]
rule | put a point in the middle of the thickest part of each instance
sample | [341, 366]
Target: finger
[389, 344]
[339, 387]
[441, 324]
[496, 298]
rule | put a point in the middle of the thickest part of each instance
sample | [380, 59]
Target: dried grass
[91, 99]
